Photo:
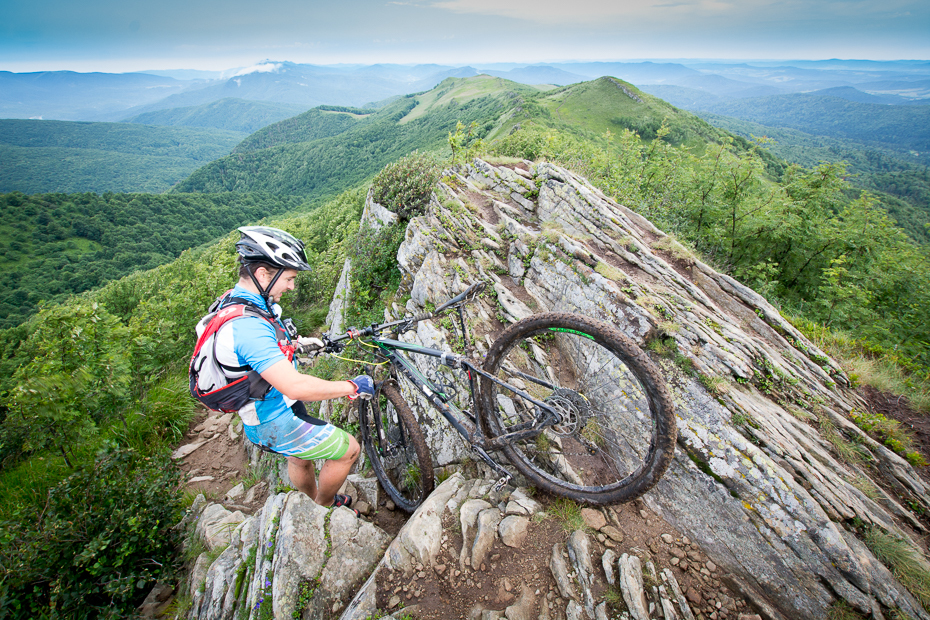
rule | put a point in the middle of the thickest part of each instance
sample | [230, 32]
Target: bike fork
[506, 476]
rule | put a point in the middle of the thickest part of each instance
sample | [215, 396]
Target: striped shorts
[300, 435]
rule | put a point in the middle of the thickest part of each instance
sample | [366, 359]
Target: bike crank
[506, 476]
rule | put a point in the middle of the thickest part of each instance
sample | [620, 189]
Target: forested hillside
[55, 245]
[64, 156]
[321, 122]
[296, 161]
[229, 114]
[904, 187]
[902, 128]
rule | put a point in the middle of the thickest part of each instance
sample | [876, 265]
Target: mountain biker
[269, 261]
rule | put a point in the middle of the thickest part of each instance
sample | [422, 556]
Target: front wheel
[395, 445]
[614, 435]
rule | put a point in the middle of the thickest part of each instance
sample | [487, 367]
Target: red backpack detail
[209, 383]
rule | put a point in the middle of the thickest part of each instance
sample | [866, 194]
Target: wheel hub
[572, 407]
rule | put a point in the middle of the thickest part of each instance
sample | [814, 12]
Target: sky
[134, 35]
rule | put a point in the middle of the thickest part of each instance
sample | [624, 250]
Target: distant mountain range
[66, 95]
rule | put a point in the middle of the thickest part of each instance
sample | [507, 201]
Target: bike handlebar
[372, 330]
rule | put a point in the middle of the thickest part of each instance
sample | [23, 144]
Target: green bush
[405, 186]
[375, 274]
[98, 546]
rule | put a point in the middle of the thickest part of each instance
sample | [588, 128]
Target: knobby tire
[618, 431]
[396, 448]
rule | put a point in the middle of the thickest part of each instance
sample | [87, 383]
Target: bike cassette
[573, 408]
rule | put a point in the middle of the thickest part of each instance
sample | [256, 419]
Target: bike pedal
[500, 484]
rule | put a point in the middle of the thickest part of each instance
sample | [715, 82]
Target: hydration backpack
[209, 382]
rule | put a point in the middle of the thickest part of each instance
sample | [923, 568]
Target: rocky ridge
[756, 489]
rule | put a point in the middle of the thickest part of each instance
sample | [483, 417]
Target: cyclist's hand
[309, 345]
[364, 387]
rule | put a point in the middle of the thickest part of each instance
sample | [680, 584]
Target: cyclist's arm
[296, 386]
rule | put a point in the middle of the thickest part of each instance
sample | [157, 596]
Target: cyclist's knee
[353, 451]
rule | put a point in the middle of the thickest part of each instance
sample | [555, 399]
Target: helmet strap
[264, 292]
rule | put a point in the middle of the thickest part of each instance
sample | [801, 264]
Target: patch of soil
[683, 267]
[521, 166]
[636, 274]
[518, 291]
[898, 408]
[387, 518]
[221, 459]
[484, 205]
[449, 590]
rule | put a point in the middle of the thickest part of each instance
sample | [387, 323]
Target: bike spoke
[606, 437]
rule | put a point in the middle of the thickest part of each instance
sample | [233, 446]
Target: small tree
[77, 376]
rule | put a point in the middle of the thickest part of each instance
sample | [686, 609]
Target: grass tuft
[610, 272]
[568, 514]
[904, 560]
[841, 610]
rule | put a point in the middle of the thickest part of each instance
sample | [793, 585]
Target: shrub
[375, 274]
[405, 186]
[98, 546]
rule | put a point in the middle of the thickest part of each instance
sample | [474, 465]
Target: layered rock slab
[753, 482]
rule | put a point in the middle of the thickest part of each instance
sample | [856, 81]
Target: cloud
[585, 11]
[267, 67]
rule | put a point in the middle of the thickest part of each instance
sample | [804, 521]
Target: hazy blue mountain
[230, 114]
[854, 94]
[312, 85]
[633, 72]
[66, 95]
[683, 97]
[538, 74]
[187, 74]
[64, 156]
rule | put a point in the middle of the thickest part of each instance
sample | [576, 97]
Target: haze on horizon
[119, 36]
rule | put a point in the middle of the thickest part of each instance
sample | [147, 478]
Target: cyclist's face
[287, 282]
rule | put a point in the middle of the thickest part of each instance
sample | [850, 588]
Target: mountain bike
[575, 405]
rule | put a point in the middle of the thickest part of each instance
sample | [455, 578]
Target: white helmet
[271, 245]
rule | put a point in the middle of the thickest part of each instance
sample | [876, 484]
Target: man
[269, 261]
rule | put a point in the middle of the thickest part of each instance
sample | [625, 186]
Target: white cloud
[581, 11]
[268, 67]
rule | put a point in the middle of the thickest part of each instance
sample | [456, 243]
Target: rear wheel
[615, 432]
[395, 445]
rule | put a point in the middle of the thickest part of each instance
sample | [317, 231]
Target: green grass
[28, 483]
[462, 90]
[876, 369]
[605, 104]
[905, 561]
[841, 610]
[568, 514]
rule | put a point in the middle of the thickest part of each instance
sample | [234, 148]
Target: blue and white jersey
[250, 341]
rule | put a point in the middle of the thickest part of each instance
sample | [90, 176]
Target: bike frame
[470, 430]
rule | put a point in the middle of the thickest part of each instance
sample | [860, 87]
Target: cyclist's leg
[334, 473]
[302, 475]
[312, 439]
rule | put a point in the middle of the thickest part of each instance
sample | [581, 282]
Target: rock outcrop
[757, 490]
[754, 482]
